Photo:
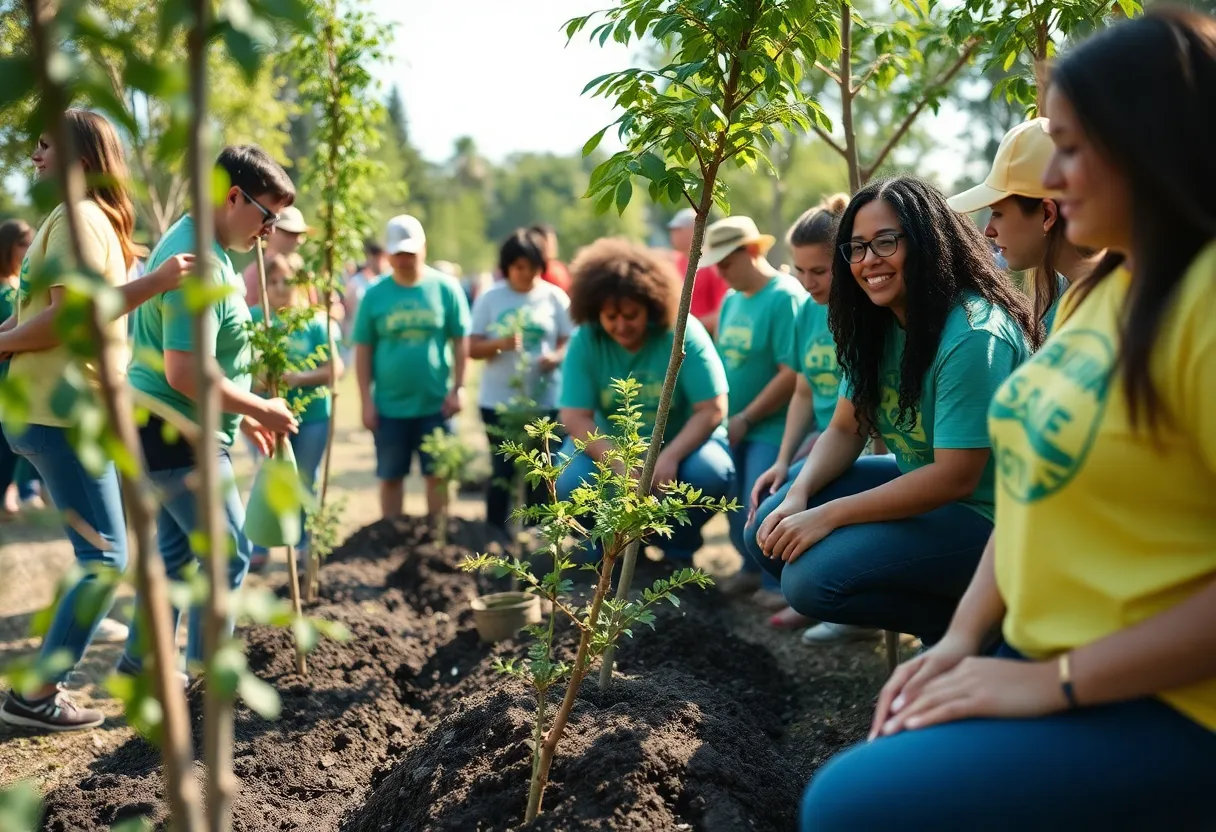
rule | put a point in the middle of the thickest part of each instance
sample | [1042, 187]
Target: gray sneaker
[825, 633]
[110, 631]
[56, 712]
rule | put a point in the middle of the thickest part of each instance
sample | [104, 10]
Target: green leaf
[305, 634]
[624, 192]
[259, 696]
[227, 667]
[20, 77]
[20, 807]
[594, 141]
[139, 824]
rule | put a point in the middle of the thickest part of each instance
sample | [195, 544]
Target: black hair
[818, 225]
[254, 171]
[544, 229]
[372, 249]
[13, 233]
[946, 257]
[1144, 92]
[521, 245]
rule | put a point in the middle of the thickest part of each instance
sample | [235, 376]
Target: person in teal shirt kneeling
[411, 347]
[758, 342]
[624, 300]
[927, 328]
[308, 392]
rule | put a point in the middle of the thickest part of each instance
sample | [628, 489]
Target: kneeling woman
[624, 299]
[926, 330]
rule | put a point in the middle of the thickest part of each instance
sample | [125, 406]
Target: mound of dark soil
[407, 726]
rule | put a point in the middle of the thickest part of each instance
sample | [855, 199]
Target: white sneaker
[825, 633]
[110, 631]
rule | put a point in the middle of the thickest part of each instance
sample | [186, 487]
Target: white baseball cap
[404, 235]
[684, 218]
[291, 221]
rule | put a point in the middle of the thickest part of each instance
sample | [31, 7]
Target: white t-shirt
[546, 320]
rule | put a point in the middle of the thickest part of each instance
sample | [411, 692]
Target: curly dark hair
[946, 257]
[616, 269]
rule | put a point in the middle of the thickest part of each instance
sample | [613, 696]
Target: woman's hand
[277, 417]
[1000, 688]
[262, 438]
[736, 429]
[768, 483]
[549, 361]
[666, 468]
[910, 678]
[792, 504]
[169, 274]
[799, 532]
[511, 343]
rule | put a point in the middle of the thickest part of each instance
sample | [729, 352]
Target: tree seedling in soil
[605, 515]
[450, 458]
[322, 524]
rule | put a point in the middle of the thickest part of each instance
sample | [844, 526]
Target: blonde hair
[95, 144]
[819, 224]
[289, 266]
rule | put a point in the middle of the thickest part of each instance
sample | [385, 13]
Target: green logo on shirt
[910, 445]
[1045, 417]
[411, 323]
[820, 367]
[735, 344]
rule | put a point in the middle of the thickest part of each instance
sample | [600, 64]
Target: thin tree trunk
[150, 579]
[293, 576]
[217, 706]
[677, 345]
[847, 95]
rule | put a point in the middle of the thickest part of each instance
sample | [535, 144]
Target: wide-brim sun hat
[725, 236]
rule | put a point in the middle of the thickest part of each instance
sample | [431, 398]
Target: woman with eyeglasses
[926, 330]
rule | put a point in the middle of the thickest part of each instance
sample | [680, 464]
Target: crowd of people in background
[1020, 476]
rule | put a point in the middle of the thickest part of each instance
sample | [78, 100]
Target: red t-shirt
[557, 274]
[708, 288]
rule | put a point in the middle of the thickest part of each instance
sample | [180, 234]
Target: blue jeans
[309, 448]
[97, 500]
[902, 575]
[752, 459]
[709, 468]
[1128, 766]
[397, 440]
[174, 523]
[16, 467]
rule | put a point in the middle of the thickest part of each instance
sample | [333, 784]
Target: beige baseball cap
[724, 236]
[291, 221]
[1021, 160]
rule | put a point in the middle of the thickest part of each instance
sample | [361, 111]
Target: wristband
[1066, 682]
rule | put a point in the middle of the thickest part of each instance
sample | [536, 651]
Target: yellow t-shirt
[42, 372]
[1097, 527]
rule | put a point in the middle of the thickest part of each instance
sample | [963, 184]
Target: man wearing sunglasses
[163, 371]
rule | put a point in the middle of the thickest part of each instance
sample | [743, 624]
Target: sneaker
[110, 631]
[769, 600]
[740, 583]
[54, 713]
[825, 633]
[126, 668]
[789, 618]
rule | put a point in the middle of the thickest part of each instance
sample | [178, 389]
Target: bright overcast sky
[501, 72]
[496, 70]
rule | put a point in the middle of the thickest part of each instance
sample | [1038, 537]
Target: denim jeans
[709, 468]
[751, 460]
[14, 467]
[902, 575]
[97, 501]
[174, 523]
[1124, 767]
[309, 447]
[500, 495]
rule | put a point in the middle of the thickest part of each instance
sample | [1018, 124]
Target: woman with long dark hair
[18, 482]
[1025, 222]
[39, 363]
[926, 329]
[1099, 711]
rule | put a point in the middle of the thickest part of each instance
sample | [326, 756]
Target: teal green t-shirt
[309, 344]
[1049, 317]
[409, 330]
[817, 349]
[8, 306]
[756, 336]
[593, 360]
[163, 323]
[980, 346]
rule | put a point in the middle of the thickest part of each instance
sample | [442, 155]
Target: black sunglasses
[884, 245]
[269, 218]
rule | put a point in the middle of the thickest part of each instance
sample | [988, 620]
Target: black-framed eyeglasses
[269, 218]
[884, 245]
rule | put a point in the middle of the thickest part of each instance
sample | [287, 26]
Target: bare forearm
[34, 335]
[232, 398]
[311, 378]
[9, 323]
[580, 425]
[834, 453]
[1171, 650]
[981, 609]
[923, 490]
[460, 361]
[797, 421]
[482, 348]
[699, 427]
[363, 370]
[775, 395]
